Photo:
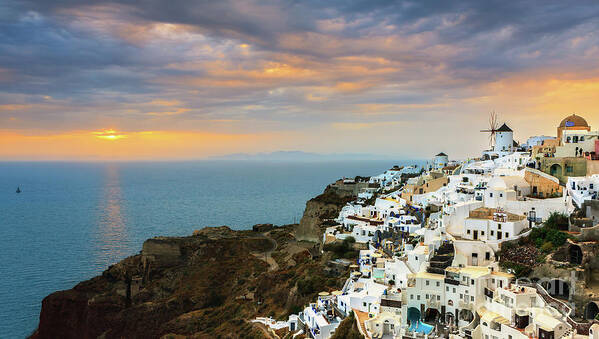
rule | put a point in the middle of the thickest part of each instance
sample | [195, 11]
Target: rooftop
[471, 271]
[574, 121]
[504, 128]
[426, 275]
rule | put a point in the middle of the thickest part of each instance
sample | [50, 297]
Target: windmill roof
[441, 154]
[504, 128]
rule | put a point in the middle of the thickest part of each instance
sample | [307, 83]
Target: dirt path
[267, 256]
[266, 331]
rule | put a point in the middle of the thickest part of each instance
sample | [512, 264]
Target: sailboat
[18, 189]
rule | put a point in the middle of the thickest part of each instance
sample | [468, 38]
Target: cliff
[321, 210]
[206, 285]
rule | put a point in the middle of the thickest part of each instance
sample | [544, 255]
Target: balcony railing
[451, 281]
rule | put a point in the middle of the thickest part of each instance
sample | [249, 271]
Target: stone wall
[589, 234]
[562, 168]
[160, 251]
[592, 167]
[542, 184]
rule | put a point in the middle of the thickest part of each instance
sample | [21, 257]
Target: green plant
[518, 269]
[547, 247]
[556, 219]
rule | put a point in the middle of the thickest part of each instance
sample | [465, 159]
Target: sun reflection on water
[113, 238]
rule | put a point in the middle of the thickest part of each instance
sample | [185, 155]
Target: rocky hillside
[207, 285]
[321, 210]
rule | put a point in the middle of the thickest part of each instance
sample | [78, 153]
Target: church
[574, 153]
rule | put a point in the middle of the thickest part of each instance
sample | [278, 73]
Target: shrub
[518, 269]
[547, 247]
[343, 249]
[556, 237]
[556, 220]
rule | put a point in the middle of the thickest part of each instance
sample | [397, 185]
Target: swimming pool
[421, 327]
[415, 324]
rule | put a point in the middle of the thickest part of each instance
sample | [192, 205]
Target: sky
[180, 79]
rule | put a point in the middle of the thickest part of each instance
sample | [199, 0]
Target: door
[475, 235]
[474, 259]
[499, 235]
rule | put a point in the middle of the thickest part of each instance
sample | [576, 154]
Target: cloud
[227, 66]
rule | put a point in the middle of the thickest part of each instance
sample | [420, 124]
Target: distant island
[301, 156]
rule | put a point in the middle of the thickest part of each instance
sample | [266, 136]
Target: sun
[110, 134]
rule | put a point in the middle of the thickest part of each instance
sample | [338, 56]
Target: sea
[72, 220]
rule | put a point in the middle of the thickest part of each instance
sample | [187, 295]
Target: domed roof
[574, 121]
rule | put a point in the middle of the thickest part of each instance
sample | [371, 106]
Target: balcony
[452, 281]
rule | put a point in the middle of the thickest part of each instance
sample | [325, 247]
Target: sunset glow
[320, 74]
[109, 135]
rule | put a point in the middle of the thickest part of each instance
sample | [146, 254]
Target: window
[411, 297]
[454, 290]
[461, 296]
[418, 297]
[490, 195]
[488, 257]
[446, 288]
[427, 296]
[467, 231]
[501, 195]
[438, 284]
[482, 232]
[472, 298]
[498, 226]
[591, 186]
[492, 233]
[438, 297]
[471, 281]
[427, 283]
[364, 304]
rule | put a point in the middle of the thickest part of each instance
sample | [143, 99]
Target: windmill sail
[493, 126]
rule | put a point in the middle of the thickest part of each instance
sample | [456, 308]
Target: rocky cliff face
[203, 286]
[322, 209]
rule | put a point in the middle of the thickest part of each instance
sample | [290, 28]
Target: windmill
[493, 126]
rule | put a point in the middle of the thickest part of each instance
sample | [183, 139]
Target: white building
[576, 143]
[504, 140]
[581, 189]
[493, 226]
[319, 317]
[439, 161]
[537, 141]
[361, 294]
[504, 143]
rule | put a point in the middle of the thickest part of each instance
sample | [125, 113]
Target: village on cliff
[501, 246]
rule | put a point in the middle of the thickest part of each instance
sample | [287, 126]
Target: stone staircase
[442, 259]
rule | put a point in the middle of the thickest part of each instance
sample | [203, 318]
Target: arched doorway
[466, 315]
[557, 288]
[575, 254]
[556, 170]
[591, 310]
[413, 315]
[431, 315]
